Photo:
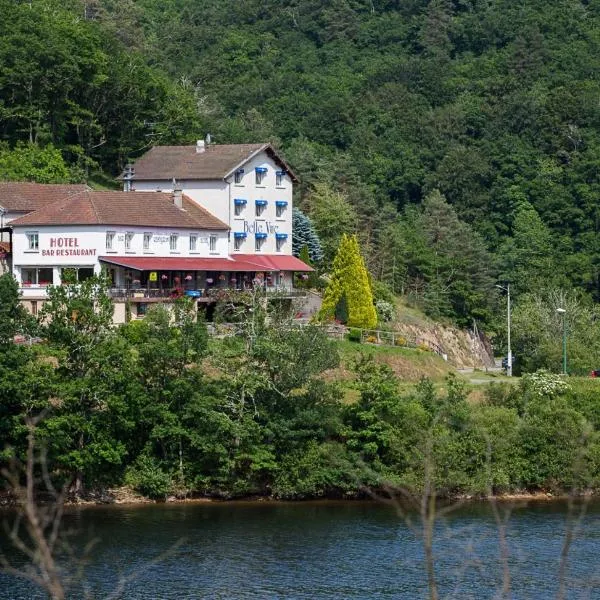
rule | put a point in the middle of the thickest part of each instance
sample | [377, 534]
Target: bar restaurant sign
[66, 246]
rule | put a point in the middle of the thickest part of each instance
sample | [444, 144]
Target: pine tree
[349, 279]
[305, 235]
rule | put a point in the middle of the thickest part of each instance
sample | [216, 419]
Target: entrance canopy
[274, 262]
[173, 263]
[237, 263]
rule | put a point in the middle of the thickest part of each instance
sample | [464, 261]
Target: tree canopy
[376, 104]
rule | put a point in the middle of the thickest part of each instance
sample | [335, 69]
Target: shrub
[354, 334]
[147, 477]
[371, 339]
[544, 383]
[385, 310]
[399, 341]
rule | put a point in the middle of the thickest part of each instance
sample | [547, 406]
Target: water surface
[323, 550]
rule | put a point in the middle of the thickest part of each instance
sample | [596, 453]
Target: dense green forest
[159, 405]
[458, 138]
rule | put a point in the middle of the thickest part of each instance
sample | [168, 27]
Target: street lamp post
[562, 312]
[509, 361]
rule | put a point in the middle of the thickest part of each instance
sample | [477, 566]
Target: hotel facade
[191, 220]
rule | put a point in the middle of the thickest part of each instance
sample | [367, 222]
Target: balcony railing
[209, 293]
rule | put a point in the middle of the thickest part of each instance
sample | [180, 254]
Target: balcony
[202, 295]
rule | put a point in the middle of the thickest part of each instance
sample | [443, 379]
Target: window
[110, 238]
[147, 240]
[75, 274]
[173, 242]
[279, 175]
[239, 206]
[33, 241]
[212, 241]
[238, 240]
[239, 175]
[280, 208]
[36, 276]
[193, 243]
[260, 207]
[279, 243]
[128, 238]
[34, 307]
[259, 241]
[261, 173]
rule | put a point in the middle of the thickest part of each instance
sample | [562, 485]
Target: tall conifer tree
[349, 279]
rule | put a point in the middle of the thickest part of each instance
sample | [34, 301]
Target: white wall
[211, 195]
[267, 222]
[217, 196]
[81, 246]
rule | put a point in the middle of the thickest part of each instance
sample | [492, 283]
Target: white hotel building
[191, 220]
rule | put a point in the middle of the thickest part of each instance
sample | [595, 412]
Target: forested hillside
[458, 138]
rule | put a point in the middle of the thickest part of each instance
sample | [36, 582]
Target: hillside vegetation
[154, 405]
[458, 138]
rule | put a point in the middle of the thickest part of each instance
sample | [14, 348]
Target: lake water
[323, 550]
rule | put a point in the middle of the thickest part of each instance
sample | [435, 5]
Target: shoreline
[126, 497]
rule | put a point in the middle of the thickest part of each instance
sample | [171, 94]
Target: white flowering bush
[385, 310]
[543, 383]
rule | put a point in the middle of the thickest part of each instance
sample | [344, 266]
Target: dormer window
[260, 207]
[239, 176]
[279, 178]
[261, 173]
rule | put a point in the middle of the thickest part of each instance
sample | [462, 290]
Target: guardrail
[340, 332]
[213, 292]
[395, 338]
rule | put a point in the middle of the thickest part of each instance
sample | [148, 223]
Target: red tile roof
[23, 196]
[4, 248]
[274, 262]
[184, 162]
[143, 209]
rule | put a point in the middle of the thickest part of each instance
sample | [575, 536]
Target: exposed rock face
[463, 348]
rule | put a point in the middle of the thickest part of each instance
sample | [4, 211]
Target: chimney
[200, 146]
[178, 197]
[127, 177]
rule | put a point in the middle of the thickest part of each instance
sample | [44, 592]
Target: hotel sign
[67, 246]
[260, 227]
